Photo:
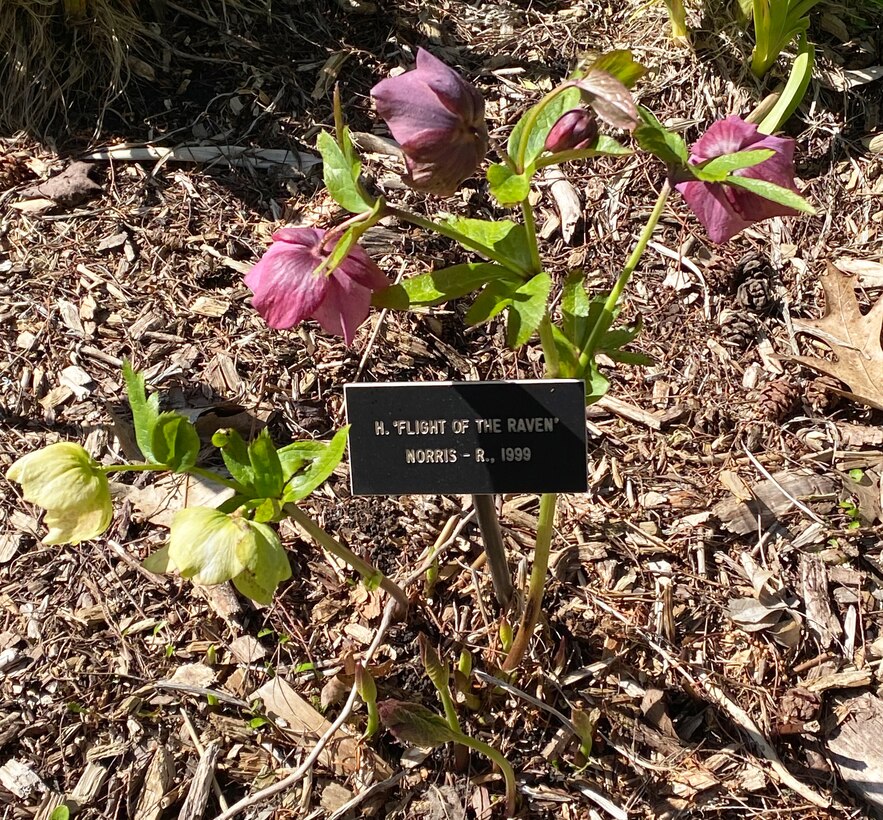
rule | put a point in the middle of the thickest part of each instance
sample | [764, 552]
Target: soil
[697, 702]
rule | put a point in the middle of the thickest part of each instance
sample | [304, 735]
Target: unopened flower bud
[415, 724]
[575, 129]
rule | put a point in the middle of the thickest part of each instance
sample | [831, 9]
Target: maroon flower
[438, 119]
[724, 209]
[573, 130]
[288, 290]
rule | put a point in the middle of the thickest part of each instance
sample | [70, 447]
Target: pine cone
[13, 170]
[821, 397]
[738, 328]
[752, 275]
[777, 399]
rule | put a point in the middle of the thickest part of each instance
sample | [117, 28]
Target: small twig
[216, 787]
[796, 502]
[322, 742]
[360, 798]
[520, 693]
[736, 712]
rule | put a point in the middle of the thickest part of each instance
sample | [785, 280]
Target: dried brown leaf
[853, 337]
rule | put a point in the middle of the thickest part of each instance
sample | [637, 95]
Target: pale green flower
[65, 480]
[211, 547]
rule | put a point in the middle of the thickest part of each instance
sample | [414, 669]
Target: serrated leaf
[527, 308]
[234, 451]
[853, 337]
[145, 411]
[773, 192]
[491, 301]
[719, 168]
[575, 309]
[597, 384]
[656, 139]
[341, 176]
[622, 65]
[610, 99]
[302, 483]
[536, 139]
[175, 442]
[439, 286]
[507, 238]
[267, 468]
[507, 186]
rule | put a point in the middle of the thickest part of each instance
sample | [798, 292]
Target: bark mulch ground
[725, 642]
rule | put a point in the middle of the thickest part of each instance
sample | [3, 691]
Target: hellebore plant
[235, 542]
[733, 177]
[777, 23]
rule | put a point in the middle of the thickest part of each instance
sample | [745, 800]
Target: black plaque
[467, 437]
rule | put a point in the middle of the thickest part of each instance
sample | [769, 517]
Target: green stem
[505, 767]
[530, 225]
[345, 554]
[550, 352]
[606, 317]
[465, 241]
[494, 549]
[210, 475]
[534, 601]
[133, 468]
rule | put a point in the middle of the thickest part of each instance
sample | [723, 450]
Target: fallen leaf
[853, 337]
[70, 187]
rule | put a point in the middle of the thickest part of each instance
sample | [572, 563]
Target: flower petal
[713, 209]
[286, 289]
[345, 307]
[361, 268]
[205, 544]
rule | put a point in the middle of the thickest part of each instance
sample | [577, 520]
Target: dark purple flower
[573, 130]
[724, 209]
[287, 289]
[438, 119]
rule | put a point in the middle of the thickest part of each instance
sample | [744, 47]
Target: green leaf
[301, 484]
[622, 65]
[719, 168]
[266, 565]
[158, 561]
[507, 238]
[492, 300]
[656, 139]
[175, 442]
[341, 175]
[597, 384]
[773, 192]
[439, 286]
[61, 812]
[508, 187]
[234, 451]
[349, 238]
[144, 410]
[795, 89]
[266, 467]
[575, 309]
[568, 354]
[527, 308]
[548, 116]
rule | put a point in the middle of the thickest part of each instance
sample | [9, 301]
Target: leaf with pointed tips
[853, 337]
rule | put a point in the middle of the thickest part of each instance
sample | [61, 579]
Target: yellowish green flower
[69, 484]
[211, 547]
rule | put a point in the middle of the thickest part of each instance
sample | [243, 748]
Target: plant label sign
[467, 437]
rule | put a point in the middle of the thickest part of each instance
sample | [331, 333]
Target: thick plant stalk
[366, 570]
[492, 535]
[537, 583]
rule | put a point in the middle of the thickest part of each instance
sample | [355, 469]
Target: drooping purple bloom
[438, 119]
[724, 209]
[573, 130]
[288, 290]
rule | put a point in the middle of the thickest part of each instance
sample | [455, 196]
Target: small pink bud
[415, 724]
[573, 130]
